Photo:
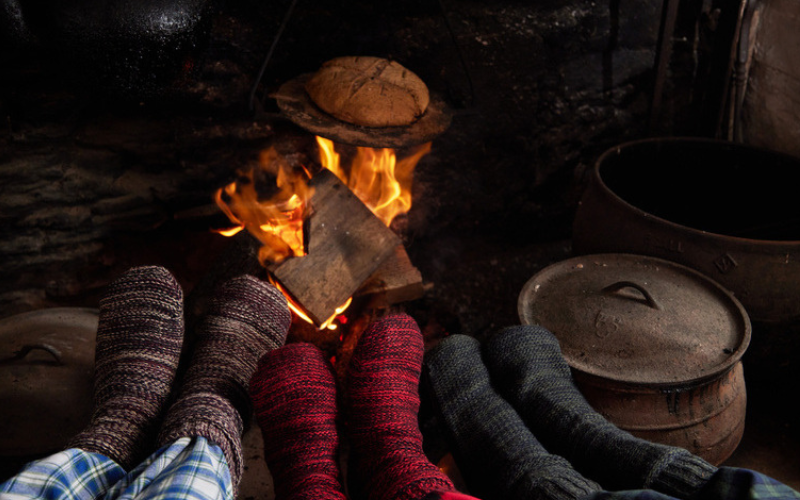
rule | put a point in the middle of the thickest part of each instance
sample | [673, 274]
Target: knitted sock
[246, 318]
[529, 370]
[139, 338]
[496, 453]
[294, 394]
[388, 462]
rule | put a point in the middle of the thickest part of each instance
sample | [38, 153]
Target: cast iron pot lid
[46, 377]
[637, 319]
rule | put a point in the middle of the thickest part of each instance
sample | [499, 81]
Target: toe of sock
[680, 474]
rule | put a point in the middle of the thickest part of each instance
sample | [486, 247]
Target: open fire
[376, 177]
[271, 200]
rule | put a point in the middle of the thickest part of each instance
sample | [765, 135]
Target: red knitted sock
[294, 395]
[388, 462]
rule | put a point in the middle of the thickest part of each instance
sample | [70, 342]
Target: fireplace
[95, 180]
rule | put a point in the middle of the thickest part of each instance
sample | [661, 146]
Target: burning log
[347, 243]
[324, 237]
[395, 281]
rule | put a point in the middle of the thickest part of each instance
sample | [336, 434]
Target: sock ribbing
[527, 365]
[138, 346]
[246, 319]
[498, 455]
[387, 458]
[294, 394]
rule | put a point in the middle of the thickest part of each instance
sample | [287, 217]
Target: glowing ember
[276, 219]
[298, 310]
[376, 177]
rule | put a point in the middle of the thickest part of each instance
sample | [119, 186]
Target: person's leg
[727, 483]
[139, 338]
[387, 459]
[294, 394]
[496, 453]
[138, 346]
[246, 319]
[527, 367]
[735, 483]
[71, 474]
[188, 469]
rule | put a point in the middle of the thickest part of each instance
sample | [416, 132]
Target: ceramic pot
[725, 209]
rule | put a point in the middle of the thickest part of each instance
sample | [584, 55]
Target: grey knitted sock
[526, 364]
[246, 319]
[139, 338]
[497, 454]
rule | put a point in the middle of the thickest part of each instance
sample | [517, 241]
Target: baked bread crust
[368, 91]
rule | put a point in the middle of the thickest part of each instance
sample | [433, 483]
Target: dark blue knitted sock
[496, 453]
[527, 366]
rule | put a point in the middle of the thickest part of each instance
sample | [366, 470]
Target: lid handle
[619, 285]
[26, 349]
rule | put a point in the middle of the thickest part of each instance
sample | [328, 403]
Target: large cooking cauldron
[129, 47]
[728, 210]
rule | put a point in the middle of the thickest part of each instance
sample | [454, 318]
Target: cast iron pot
[654, 346]
[728, 210]
[130, 47]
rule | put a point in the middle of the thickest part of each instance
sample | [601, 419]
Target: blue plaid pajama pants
[728, 483]
[195, 469]
[188, 469]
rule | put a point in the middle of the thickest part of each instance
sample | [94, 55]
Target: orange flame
[376, 177]
[298, 310]
[277, 222]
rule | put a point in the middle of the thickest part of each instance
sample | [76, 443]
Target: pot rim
[645, 389]
[775, 245]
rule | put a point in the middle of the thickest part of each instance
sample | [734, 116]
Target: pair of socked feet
[138, 406]
[239, 363]
[519, 428]
[298, 409]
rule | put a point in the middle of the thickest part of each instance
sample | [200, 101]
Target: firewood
[347, 243]
[395, 281]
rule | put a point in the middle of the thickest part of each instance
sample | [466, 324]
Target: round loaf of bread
[368, 91]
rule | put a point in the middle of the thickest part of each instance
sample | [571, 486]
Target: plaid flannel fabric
[727, 483]
[188, 469]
